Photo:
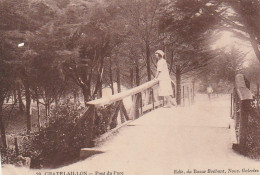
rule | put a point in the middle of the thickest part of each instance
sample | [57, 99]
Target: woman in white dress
[165, 86]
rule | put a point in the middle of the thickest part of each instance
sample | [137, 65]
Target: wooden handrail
[144, 99]
[113, 98]
[242, 90]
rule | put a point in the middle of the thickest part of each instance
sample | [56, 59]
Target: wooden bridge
[196, 138]
[171, 140]
[144, 99]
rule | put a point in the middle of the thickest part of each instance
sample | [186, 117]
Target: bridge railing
[143, 98]
[241, 110]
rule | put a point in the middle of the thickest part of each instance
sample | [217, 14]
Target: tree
[240, 17]
[143, 27]
[13, 31]
[252, 72]
[87, 47]
[246, 21]
[24, 22]
[187, 28]
[6, 79]
[222, 69]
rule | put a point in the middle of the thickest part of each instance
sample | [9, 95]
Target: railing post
[89, 116]
[152, 95]
[133, 111]
[123, 109]
[113, 121]
[174, 90]
[163, 101]
[141, 103]
[137, 103]
[147, 97]
[122, 118]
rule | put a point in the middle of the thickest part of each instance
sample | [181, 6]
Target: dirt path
[168, 141]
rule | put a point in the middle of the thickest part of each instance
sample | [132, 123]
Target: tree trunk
[14, 96]
[118, 76]
[111, 76]
[38, 113]
[255, 46]
[48, 107]
[193, 91]
[138, 96]
[8, 98]
[38, 108]
[148, 61]
[113, 120]
[21, 105]
[98, 87]
[183, 95]
[178, 85]
[28, 106]
[257, 96]
[121, 105]
[138, 104]
[171, 63]
[86, 93]
[46, 113]
[124, 111]
[132, 77]
[2, 128]
[75, 97]
[174, 90]
[137, 76]
[257, 90]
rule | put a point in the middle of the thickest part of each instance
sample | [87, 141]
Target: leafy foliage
[59, 141]
[78, 45]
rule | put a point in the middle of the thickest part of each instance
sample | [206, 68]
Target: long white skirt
[165, 88]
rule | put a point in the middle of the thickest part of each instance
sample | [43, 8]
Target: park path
[166, 140]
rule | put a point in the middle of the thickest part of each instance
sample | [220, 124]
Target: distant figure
[165, 86]
[209, 91]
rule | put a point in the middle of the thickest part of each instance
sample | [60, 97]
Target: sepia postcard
[130, 87]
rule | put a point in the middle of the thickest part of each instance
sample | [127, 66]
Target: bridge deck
[164, 140]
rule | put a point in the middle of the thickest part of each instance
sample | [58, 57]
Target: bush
[8, 155]
[102, 120]
[58, 142]
[253, 138]
[66, 133]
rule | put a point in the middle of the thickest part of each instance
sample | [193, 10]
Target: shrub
[60, 141]
[102, 120]
[8, 155]
[253, 138]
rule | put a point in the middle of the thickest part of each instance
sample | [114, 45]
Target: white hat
[160, 52]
